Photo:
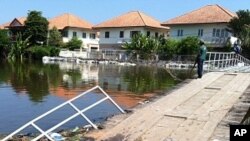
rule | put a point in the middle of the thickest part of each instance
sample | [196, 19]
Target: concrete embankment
[192, 112]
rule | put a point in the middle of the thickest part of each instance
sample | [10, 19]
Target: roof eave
[103, 27]
[171, 24]
[77, 27]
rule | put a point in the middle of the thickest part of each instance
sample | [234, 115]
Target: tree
[18, 48]
[237, 23]
[144, 46]
[36, 26]
[74, 43]
[240, 27]
[55, 38]
[4, 43]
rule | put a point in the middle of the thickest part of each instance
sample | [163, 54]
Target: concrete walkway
[190, 113]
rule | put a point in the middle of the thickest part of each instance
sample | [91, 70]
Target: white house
[73, 26]
[209, 23]
[115, 32]
[69, 25]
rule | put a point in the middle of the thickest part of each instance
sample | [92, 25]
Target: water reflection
[30, 89]
[66, 79]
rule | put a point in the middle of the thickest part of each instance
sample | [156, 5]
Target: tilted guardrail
[78, 112]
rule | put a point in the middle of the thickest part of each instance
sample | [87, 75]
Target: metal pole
[70, 118]
[86, 118]
[111, 100]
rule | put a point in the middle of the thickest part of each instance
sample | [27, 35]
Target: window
[222, 33]
[214, 32]
[74, 34]
[107, 34]
[180, 32]
[200, 32]
[217, 32]
[65, 33]
[92, 35]
[84, 35]
[156, 34]
[134, 33]
[121, 34]
[148, 33]
[226, 33]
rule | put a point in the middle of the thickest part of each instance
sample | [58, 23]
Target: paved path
[190, 113]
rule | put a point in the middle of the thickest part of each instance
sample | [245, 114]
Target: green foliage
[4, 43]
[188, 46]
[37, 52]
[18, 48]
[245, 37]
[147, 47]
[170, 48]
[55, 38]
[237, 23]
[74, 43]
[36, 26]
[228, 46]
[240, 26]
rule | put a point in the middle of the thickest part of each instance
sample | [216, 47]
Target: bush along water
[146, 47]
[37, 52]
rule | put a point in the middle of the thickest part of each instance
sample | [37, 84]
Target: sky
[97, 11]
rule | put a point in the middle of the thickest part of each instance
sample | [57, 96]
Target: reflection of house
[208, 23]
[115, 32]
[89, 73]
[73, 26]
[69, 25]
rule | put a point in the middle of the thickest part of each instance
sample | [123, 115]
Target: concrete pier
[190, 113]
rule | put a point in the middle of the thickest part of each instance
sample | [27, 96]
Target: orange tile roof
[69, 20]
[21, 20]
[3, 25]
[131, 19]
[206, 14]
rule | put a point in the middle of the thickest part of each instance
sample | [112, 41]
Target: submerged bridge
[194, 112]
[197, 111]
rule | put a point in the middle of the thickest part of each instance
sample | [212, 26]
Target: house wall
[87, 42]
[192, 30]
[115, 42]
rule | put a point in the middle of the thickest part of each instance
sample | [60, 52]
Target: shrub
[4, 43]
[74, 43]
[54, 51]
[37, 52]
[169, 48]
[188, 46]
[55, 37]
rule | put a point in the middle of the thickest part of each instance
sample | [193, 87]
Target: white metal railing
[78, 112]
[225, 61]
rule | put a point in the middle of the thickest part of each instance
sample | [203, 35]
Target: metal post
[87, 119]
[111, 100]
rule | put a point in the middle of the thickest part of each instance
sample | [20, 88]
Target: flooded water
[30, 89]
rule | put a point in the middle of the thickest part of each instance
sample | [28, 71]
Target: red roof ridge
[142, 18]
[226, 11]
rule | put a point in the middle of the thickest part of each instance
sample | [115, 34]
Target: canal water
[28, 90]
